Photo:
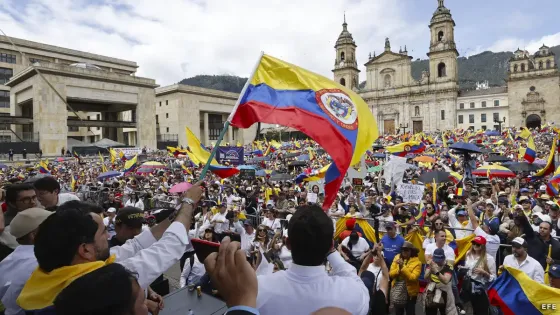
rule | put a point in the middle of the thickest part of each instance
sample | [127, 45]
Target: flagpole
[230, 117]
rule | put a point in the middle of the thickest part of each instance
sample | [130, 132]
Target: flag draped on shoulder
[332, 115]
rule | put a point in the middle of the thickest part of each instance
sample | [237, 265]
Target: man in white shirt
[458, 220]
[18, 266]
[221, 223]
[48, 193]
[359, 245]
[520, 260]
[440, 237]
[109, 222]
[488, 231]
[306, 286]
[247, 234]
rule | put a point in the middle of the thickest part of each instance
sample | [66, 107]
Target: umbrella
[464, 147]
[33, 179]
[298, 163]
[247, 167]
[492, 133]
[280, 177]
[379, 155]
[523, 167]
[60, 159]
[3, 166]
[438, 176]
[424, 159]
[494, 170]
[144, 170]
[152, 164]
[181, 187]
[108, 174]
[498, 158]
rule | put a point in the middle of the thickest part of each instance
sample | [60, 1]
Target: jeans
[456, 290]
[409, 308]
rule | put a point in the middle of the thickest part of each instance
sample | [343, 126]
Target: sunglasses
[475, 244]
[261, 230]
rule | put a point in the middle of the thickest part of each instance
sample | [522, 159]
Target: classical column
[50, 117]
[145, 118]
[205, 141]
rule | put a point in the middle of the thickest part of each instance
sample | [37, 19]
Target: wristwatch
[178, 207]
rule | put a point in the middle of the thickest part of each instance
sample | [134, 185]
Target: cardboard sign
[247, 174]
[311, 197]
[411, 193]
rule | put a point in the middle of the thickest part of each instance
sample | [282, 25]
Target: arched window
[416, 111]
[522, 67]
[387, 80]
[342, 82]
[548, 64]
[515, 68]
[441, 70]
[440, 36]
[540, 64]
[342, 56]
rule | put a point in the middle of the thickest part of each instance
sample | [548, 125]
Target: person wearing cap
[519, 259]
[392, 243]
[126, 225]
[357, 245]
[407, 267]
[109, 221]
[439, 272]
[489, 231]
[247, 234]
[16, 268]
[481, 269]
[459, 220]
[220, 222]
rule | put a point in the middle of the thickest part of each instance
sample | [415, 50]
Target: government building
[434, 102]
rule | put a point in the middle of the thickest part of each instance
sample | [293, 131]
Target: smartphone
[204, 248]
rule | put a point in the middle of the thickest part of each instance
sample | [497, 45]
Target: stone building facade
[482, 108]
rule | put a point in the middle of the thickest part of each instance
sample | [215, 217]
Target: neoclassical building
[401, 103]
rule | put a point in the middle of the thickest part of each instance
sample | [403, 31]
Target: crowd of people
[76, 241]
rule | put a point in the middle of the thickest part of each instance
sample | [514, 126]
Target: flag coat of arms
[332, 115]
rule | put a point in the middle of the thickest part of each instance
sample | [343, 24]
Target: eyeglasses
[27, 200]
[438, 223]
[475, 244]
[261, 230]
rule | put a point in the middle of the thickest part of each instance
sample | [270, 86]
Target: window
[157, 119]
[515, 68]
[167, 129]
[483, 104]
[98, 128]
[342, 82]
[4, 99]
[440, 36]
[166, 115]
[496, 102]
[215, 126]
[416, 111]
[496, 117]
[7, 58]
[460, 119]
[461, 105]
[442, 114]
[342, 56]
[98, 116]
[5, 139]
[548, 64]
[471, 128]
[387, 80]
[166, 102]
[540, 64]
[160, 104]
[471, 105]
[522, 67]
[88, 118]
[73, 128]
[482, 117]
[471, 119]
[6, 126]
[133, 115]
[483, 127]
[5, 75]
[441, 70]
[34, 60]
[496, 127]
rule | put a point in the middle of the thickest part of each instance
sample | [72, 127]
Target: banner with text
[231, 155]
[411, 193]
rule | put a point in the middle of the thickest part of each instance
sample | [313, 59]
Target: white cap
[543, 188]
[520, 241]
[545, 218]
[111, 210]
[249, 188]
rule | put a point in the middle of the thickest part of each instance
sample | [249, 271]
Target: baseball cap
[542, 188]
[523, 190]
[130, 216]
[438, 256]
[544, 197]
[479, 240]
[248, 223]
[111, 210]
[27, 221]
[390, 225]
[523, 198]
[461, 212]
[518, 242]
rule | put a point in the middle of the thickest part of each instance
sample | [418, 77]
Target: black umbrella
[464, 147]
[34, 178]
[498, 158]
[298, 163]
[280, 177]
[519, 167]
[438, 176]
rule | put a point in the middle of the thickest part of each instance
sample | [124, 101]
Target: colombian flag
[517, 294]
[43, 168]
[223, 171]
[313, 176]
[549, 168]
[530, 152]
[332, 115]
[130, 165]
[402, 149]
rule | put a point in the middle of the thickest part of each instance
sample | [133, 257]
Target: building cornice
[189, 89]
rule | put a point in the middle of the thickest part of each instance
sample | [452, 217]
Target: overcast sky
[174, 39]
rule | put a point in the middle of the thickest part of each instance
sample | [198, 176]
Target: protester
[49, 195]
[406, 267]
[522, 261]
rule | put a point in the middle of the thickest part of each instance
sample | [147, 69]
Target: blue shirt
[391, 247]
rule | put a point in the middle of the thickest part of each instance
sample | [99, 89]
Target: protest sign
[410, 192]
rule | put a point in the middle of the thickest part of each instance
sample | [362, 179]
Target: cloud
[185, 38]
[512, 43]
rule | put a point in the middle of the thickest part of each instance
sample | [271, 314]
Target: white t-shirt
[273, 224]
[357, 249]
[376, 270]
[449, 252]
[65, 197]
[110, 227]
[492, 242]
[221, 223]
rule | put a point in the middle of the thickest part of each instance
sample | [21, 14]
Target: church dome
[345, 37]
[442, 14]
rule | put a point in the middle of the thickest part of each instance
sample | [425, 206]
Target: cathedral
[400, 103]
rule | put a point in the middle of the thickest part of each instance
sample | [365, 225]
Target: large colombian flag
[517, 294]
[332, 115]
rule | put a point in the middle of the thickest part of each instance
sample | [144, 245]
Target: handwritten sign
[410, 192]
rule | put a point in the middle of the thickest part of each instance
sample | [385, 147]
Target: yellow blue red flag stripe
[334, 116]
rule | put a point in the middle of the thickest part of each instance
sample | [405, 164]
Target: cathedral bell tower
[443, 52]
[346, 70]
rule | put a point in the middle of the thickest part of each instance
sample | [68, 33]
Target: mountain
[481, 67]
